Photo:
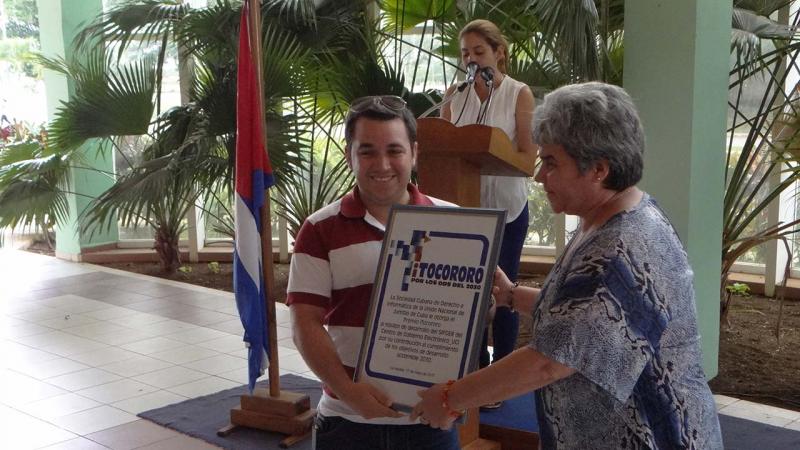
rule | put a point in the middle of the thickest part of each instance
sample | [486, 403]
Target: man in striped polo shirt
[330, 281]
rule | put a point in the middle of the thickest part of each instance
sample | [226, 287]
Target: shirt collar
[353, 207]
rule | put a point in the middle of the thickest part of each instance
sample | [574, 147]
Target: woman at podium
[490, 97]
[615, 356]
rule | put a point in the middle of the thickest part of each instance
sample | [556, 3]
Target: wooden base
[287, 442]
[287, 404]
[299, 424]
[288, 413]
[470, 435]
[482, 444]
[509, 438]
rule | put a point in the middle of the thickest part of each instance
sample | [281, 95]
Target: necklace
[588, 222]
[588, 226]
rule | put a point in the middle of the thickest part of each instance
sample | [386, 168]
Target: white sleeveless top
[509, 193]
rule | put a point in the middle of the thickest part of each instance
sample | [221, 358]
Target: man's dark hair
[377, 109]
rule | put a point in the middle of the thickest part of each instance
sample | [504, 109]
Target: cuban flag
[253, 176]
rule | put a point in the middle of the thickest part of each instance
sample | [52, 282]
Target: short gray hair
[594, 121]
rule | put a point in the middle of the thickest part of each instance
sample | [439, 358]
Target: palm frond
[309, 193]
[542, 75]
[142, 22]
[748, 29]
[407, 14]
[765, 164]
[761, 7]
[108, 101]
[33, 186]
[139, 196]
[214, 94]
[211, 33]
[300, 12]
[284, 63]
[571, 27]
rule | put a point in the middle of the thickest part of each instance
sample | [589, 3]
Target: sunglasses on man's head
[391, 102]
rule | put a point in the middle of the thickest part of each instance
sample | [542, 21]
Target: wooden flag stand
[274, 410]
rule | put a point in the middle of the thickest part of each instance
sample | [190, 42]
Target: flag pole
[254, 17]
[285, 412]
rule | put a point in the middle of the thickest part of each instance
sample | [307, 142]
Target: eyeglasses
[391, 102]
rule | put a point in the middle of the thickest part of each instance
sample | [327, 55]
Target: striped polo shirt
[335, 257]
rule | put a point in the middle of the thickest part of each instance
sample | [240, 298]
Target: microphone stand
[464, 105]
[447, 99]
[488, 75]
[472, 72]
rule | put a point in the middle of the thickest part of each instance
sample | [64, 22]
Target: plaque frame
[464, 240]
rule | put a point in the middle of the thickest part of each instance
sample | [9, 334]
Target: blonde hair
[493, 36]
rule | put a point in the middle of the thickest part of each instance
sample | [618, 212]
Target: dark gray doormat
[743, 434]
[201, 418]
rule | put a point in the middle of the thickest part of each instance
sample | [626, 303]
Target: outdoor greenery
[22, 19]
[19, 38]
[762, 163]
[740, 290]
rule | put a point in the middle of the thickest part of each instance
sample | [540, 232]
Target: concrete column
[676, 69]
[60, 21]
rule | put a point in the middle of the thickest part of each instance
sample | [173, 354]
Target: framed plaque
[429, 301]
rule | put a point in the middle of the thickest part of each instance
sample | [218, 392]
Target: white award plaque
[429, 301]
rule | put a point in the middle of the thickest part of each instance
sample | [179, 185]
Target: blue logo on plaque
[417, 270]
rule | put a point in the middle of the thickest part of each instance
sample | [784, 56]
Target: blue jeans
[336, 433]
[505, 326]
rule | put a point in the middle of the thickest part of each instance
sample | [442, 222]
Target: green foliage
[740, 289]
[542, 220]
[406, 14]
[213, 267]
[765, 163]
[185, 269]
[32, 190]
[318, 57]
[19, 54]
[107, 101]
[23, 19]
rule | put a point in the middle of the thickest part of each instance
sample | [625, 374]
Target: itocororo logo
[434, 273]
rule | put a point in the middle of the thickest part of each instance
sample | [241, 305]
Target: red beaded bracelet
[446, 400]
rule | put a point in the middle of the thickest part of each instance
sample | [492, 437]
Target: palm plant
[34, 175]
[319, 57]
[555, 42]
[190, 153]
[32, 189]
[764, 164]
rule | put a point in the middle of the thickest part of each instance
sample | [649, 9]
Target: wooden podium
[451, 159]
[450, 162]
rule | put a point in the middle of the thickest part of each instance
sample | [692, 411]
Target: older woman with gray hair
[615, 354]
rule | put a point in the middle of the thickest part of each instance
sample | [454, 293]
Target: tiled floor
[84, 349]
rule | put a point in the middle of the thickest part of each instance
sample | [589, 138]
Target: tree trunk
[48, 236]
[166, 246]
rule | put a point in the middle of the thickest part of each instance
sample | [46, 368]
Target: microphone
[472, 69]
[487, 73]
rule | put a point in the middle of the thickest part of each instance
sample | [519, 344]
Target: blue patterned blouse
[621, 312]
